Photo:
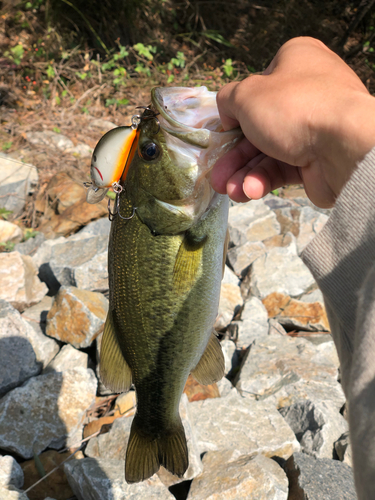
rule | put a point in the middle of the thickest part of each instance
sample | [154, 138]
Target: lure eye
[150, 151]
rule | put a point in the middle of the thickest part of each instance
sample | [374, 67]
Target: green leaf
[57, 130]
[50, 72]
[170, 79]
[228, 68]
[7, 145]
[4, 213]
[109, 102]
[216, 37]
[145, 51]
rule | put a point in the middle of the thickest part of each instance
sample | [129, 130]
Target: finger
[235, 183]
[268, 175]
[230, 163]
[226, 107]
[258, 178]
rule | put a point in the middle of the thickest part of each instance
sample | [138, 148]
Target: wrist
[350, 136]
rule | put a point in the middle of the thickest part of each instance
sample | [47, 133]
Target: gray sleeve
[342, 260]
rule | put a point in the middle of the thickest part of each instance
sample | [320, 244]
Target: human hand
[308, 119]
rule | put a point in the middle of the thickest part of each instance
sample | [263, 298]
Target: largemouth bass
[165, 261]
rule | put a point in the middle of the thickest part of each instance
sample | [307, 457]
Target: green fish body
[166, 255]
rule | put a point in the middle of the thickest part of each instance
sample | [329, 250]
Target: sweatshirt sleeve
[342, 259]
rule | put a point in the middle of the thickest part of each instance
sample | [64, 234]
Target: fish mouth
[187, 108]
[191, 115]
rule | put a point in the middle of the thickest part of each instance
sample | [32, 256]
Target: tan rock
[56, 485]
[295, 314]
[76, 316]
[228, 478]
[10, 232]
[65, 207]
[20, 284]
[198, 392]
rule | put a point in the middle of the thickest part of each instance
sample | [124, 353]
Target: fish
[166, 258]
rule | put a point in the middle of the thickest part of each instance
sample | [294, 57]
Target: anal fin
[211, 366]
[115, 372]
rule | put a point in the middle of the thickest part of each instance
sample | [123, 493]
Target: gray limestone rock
[45, 348]
[275, 202]
[229, 350]
[226, 476]
[311, 223]
[253, 221]
[317, 426]
[47, 411]
[230, 303]
[253, 324]
[99, 227]
[103, 479]
[12, 493]
[10, 472]
[18, 360]
[30, 246]
[50, 139]
[93, 275]
[230, 277]
[319, 479]
[58, 259]
[275, 328]
[38, 314]
[343, 449]
[313, 296]
[225, 387]
[20, 284]
[280, 366]
[244, 426]
[241, 257]
[67, 359]
[17, 181]
[280, 270]
[112, 444]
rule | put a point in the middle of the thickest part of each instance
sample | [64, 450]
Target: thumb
[226, 105]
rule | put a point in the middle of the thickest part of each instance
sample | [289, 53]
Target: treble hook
[112, 215]
[148, 114]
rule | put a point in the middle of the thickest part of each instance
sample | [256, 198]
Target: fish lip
[157, 101]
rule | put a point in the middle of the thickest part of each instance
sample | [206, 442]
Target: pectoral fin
[114, 370]
[187, 268]
[211, 366]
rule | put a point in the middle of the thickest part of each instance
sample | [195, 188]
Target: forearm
[342, 259]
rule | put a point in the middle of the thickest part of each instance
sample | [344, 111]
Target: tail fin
[145, 455]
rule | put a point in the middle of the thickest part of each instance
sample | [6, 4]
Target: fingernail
[244, 190]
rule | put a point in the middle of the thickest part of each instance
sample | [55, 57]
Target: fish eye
[150, 151]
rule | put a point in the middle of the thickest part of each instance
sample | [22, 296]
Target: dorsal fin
[115, 372]
[211, 366]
